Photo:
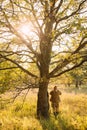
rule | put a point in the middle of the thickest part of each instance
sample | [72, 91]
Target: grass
[73, 115]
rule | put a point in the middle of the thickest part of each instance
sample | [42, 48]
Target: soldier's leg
[54, 109]
[57, 109]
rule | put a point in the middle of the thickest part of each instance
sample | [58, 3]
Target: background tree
[49, 34]
[77, 76]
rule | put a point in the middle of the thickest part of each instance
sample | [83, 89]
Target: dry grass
[73, 114]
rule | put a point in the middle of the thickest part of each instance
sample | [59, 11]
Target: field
[19, 116]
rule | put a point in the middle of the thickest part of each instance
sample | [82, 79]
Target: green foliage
[12, 78]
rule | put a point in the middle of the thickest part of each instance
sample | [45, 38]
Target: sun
[28, 31]
[25, 29]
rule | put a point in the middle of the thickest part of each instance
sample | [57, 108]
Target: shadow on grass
[55, 124]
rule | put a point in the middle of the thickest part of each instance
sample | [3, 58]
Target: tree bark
[43, 100]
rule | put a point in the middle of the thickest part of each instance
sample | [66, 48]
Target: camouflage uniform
[55, 99]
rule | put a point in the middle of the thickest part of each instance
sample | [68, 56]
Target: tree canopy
[50, 35]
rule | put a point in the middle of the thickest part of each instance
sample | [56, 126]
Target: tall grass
[18, 116]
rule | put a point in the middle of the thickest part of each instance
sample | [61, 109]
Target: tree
[53, 41]
[77, 77]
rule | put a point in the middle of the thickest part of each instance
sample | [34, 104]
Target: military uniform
[55, 99]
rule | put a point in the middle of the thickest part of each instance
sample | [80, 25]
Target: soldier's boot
[54, 113]
[57, 113]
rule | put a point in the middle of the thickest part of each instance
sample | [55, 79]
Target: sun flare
[25, 29]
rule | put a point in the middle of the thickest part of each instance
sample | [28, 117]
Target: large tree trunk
[44, 62]
[43, 100]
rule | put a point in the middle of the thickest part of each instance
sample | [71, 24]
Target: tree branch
[8, 68]
[67, 70]
[14, 62]
[73, 13]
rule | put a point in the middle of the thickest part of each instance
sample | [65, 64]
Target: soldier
[55, 99]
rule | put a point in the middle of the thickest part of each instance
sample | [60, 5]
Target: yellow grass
[73, 114]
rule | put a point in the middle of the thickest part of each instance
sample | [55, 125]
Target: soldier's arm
[51, 93]
[59, 92]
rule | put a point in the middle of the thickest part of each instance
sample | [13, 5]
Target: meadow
[22, 116]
